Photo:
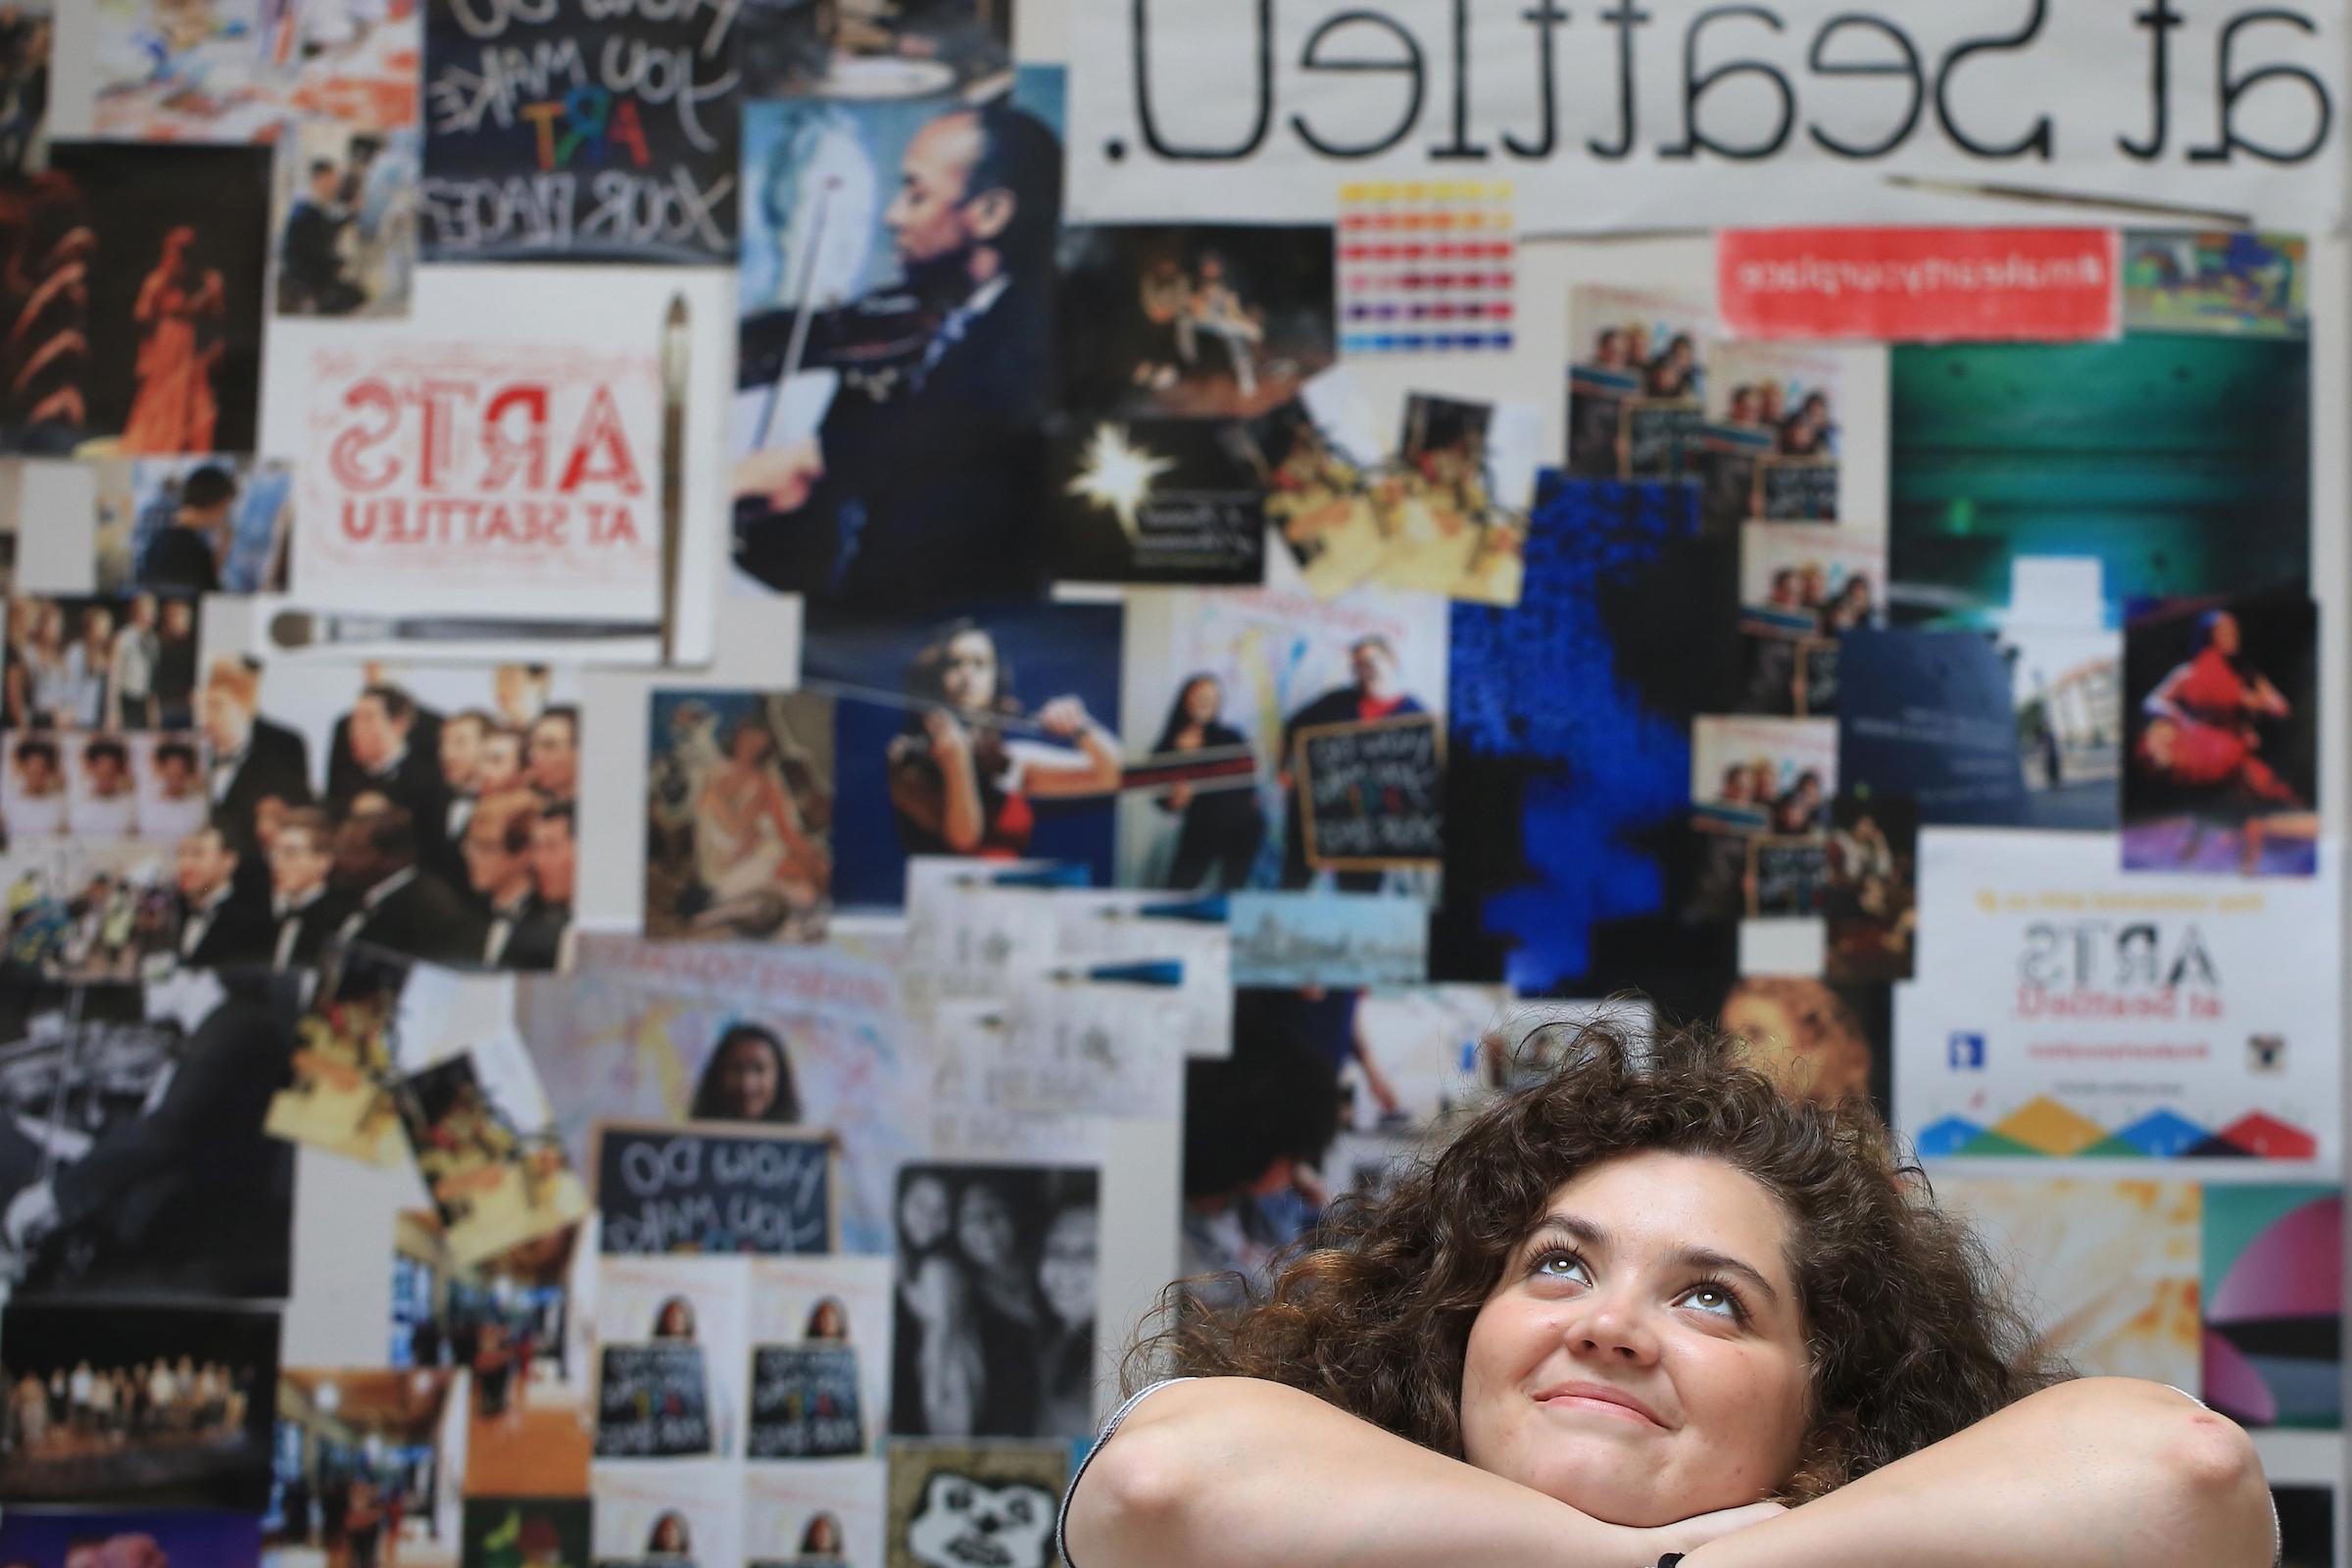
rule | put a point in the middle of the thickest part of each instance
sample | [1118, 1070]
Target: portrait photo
[994, 1310]
[739, 816]
[992, 734]
[1769, 447]
[897, 296]
[1638, 380]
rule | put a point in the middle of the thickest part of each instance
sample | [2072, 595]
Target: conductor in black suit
[183, 1193]
[252, 760]
[220, 921]
[399, 905]
[925, 476]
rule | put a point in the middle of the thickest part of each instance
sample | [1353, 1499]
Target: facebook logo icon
[1968, 1052]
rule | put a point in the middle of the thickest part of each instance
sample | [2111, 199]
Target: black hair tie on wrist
[1670, 1559]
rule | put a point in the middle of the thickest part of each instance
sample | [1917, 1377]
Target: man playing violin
[923, 479]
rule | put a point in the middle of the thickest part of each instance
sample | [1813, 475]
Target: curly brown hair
[1910, 1334]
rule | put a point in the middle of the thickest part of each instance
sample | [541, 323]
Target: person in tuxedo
[252, 758]
[552, 754]
[924, 480]
[398, 903]
[554, 870]
[1377, 692]
[219, 924]
[498, 865]
[383, 745]
[186, 1193]
[305, 907]
[460, 749]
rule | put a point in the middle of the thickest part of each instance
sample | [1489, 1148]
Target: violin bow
[797, 349]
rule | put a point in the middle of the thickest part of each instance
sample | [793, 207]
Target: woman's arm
[2102, 1473]
[1237, 1473]
[1097, 774]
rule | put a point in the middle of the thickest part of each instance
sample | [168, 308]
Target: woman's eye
[1712, 1299]
[1559, 1266]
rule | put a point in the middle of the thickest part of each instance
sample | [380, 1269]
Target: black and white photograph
[994, 1311]
[159, 1405]
[132, 1156]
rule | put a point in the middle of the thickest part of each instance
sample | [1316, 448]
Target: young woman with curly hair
[1647, 1307]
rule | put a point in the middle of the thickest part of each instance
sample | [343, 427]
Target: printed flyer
[2068, 1008]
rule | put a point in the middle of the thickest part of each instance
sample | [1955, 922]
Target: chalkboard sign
[715, 1186]
[1797, 489]
[1659, 436]
[1816, 677]
[580, 131]
[1374, 793]
[1785, 876]
[653, 1402]
[805, 1402]
[1595, 419]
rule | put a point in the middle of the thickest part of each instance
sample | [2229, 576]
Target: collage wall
[714, 730]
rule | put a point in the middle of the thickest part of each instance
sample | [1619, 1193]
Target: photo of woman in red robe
[174, 408]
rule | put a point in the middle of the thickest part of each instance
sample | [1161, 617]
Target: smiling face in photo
[1643, 1356]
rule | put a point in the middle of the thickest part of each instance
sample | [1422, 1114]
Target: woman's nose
[1615, 1327]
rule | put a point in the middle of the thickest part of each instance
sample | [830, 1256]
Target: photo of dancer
[992, 735]
[167, 358]
[1196, 322]
[739, 816]
[359, 1474]
[898, 297]
[182, 526]
[994, 1303]
[345, 221]
[184, 1418]
[2222, 736]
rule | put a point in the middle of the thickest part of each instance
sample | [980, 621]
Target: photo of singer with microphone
[992, 734]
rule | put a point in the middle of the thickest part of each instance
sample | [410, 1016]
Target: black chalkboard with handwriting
[1797, 489]
[805, 1402]
[1595, 418]
[580, 131]
[1786, 876]
[1661, 437]
[1375, 793]
[653, 1401]
[713, 1187]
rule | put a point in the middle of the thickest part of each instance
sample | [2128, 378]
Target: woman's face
[2226, 638]
[748, 1079]
[1202, 700]
[751, 743]
[1065, 1270]
[677, 1323]
[923, 1212]
[824, 1536]
[967, 676]
[1796, 1046]
[1643, 1356]
[984, 1227]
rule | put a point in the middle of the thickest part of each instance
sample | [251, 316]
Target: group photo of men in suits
[442, 830]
